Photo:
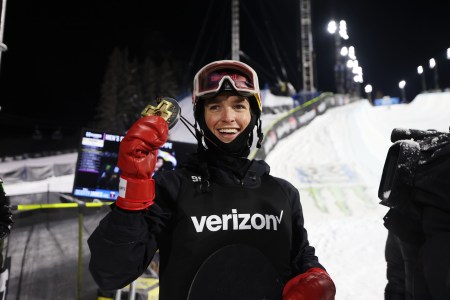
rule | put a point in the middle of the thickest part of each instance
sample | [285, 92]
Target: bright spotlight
[432, 63]
[419, 70]
[332, 27]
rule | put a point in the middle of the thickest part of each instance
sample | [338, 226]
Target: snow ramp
[336, 162]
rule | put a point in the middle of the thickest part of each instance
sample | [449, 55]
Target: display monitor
[97, 174]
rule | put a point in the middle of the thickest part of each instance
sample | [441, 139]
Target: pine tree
[128, 87]
[130, 94]
[108, 104]
[168, 85]
[149, 80]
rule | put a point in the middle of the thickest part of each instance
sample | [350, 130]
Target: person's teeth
[228, 130]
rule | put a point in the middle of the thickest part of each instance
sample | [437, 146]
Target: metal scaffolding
[235, 30]
[307, 63]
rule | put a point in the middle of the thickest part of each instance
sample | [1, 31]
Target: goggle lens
[213, 81]
[211, 78]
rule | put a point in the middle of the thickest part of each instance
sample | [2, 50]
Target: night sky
[58, 50]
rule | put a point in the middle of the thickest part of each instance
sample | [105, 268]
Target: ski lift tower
[235, 30]
[306, 47]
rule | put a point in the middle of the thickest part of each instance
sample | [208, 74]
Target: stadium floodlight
[448, 53]
[332, 27]
[344, 51]
[358, 74]
[368, 90]
[343, 30]
[419, 70]
[350, 63]
[401, 85]
[356, 69]
[433, 65]
[351, 52]
[357, 78]
[422, 76]
[339, 69]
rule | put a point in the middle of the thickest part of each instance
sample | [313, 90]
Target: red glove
[137, 158]
[314, 284]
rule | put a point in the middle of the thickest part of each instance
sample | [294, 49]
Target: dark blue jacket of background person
[245, 205]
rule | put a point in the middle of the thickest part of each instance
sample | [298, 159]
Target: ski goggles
[219, 75]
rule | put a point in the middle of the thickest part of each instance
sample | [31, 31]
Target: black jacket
[244, 205]
[418, 245]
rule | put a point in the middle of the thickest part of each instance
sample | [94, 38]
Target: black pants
[401, 259]
[418, 273]
[432, 276]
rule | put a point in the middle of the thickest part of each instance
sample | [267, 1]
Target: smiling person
[225, 228]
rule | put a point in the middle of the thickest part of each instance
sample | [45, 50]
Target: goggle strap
[186, 123]
[198, 135]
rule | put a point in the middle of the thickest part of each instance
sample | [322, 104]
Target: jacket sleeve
[303, 254]
[121, 249]
[124, 243]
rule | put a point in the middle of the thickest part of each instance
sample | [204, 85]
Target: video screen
[97, 175]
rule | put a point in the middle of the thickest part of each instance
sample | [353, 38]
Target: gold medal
[167, 108]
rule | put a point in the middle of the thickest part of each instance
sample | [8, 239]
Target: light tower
[401, 85]
[368, 90]
[306, 47]
[433, 66]
[339, 31]
[422, 76]
[235, 45]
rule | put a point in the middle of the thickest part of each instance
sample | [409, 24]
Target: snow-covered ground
[336, 163]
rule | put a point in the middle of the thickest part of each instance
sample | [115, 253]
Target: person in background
[415, 185]
[159, 164]
[219, 198]
[6, 219]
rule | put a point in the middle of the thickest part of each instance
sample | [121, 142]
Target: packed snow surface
[336, 162]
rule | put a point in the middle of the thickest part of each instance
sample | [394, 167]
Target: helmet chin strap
[203, 140]
[239, 147]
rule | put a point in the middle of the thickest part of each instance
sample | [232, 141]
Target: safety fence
[296, 118]
[46, 255]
